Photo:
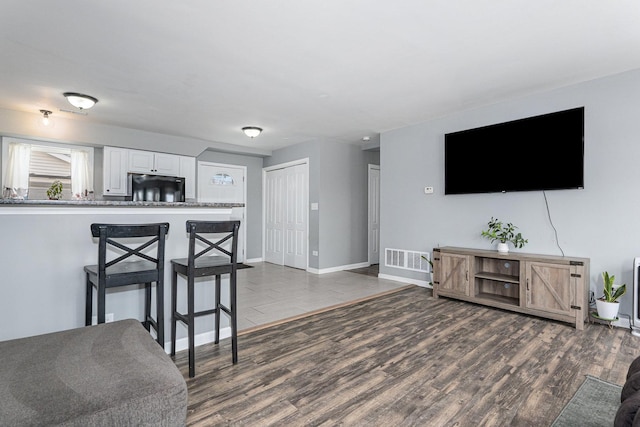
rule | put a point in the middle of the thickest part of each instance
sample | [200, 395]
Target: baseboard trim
[253, 260]
[338, 268]
[422, 283]
[200, 339]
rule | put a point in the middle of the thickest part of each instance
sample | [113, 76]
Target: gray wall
[254, 195]
[599, 222]
[338, 183]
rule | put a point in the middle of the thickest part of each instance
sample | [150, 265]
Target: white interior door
[374, 214]
[286, 216]
[219, 183]
[274, 218]
[295, 219]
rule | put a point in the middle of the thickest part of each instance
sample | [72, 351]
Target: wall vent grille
[407, 260]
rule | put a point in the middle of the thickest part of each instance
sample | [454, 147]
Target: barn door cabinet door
[554, 288]
[451, 274]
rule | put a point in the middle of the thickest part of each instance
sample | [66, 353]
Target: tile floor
[268, 293]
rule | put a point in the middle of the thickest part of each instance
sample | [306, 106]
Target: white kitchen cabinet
[114, 172]
[155, 163]
[188, 171]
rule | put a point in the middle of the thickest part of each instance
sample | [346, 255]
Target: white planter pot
[607, 310]
[503, 248]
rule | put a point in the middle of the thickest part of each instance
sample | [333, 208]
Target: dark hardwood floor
[404, 359]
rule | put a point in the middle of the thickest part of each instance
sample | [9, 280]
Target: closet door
[286, 216]
[274, 222]
[295, 217]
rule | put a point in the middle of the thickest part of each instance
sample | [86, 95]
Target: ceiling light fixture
[251, 131]
[45, 117]
[78, 100]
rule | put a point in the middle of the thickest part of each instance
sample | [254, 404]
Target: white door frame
[370, 168]
[243, 237]
[304, 161]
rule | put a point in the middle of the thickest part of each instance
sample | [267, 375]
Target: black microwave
[155, 188]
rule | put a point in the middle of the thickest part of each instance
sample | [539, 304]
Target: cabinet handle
[466, 275]
[527, 284]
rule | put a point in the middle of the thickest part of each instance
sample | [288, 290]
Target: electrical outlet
[428, 190]
[314, 253]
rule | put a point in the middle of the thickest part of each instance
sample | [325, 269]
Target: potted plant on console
[504, 233]
[608, 304]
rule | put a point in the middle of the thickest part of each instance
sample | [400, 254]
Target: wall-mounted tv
[536, 153]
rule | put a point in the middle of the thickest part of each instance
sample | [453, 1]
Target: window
[30, 167]
[222, 179]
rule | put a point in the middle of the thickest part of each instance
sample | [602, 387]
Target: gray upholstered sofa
[113, 374]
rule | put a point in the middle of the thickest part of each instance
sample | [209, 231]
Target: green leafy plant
[430, 267]
[55, 190]
[609, 294]
[504, 233]
[428, 260]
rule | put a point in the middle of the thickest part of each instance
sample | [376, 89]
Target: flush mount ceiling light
[251, 131]
[45, 117]
[78, 100]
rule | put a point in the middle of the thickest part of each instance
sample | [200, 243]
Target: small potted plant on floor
[608, 304]
[504, 234]
[55, 190]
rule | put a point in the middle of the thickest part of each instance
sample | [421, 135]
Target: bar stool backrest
[229, 231]
[108, 233]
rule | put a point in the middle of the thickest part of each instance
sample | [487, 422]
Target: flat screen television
[536, 153]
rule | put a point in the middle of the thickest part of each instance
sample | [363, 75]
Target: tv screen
[536, 153]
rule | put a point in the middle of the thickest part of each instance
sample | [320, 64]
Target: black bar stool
[117, 272]
[198, 265]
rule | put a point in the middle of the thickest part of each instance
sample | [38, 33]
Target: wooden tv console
[548, 286]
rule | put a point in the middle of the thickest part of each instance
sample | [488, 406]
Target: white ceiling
[301, 69]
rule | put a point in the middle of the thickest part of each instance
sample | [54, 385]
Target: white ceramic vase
[607, 310]
[503, 248]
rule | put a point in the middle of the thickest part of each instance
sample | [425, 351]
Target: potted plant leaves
[608, 305]
[504, 233]
[430, 269]
[55, 190]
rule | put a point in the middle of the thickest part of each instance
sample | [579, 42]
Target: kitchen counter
[117, 203]
[46, 243]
